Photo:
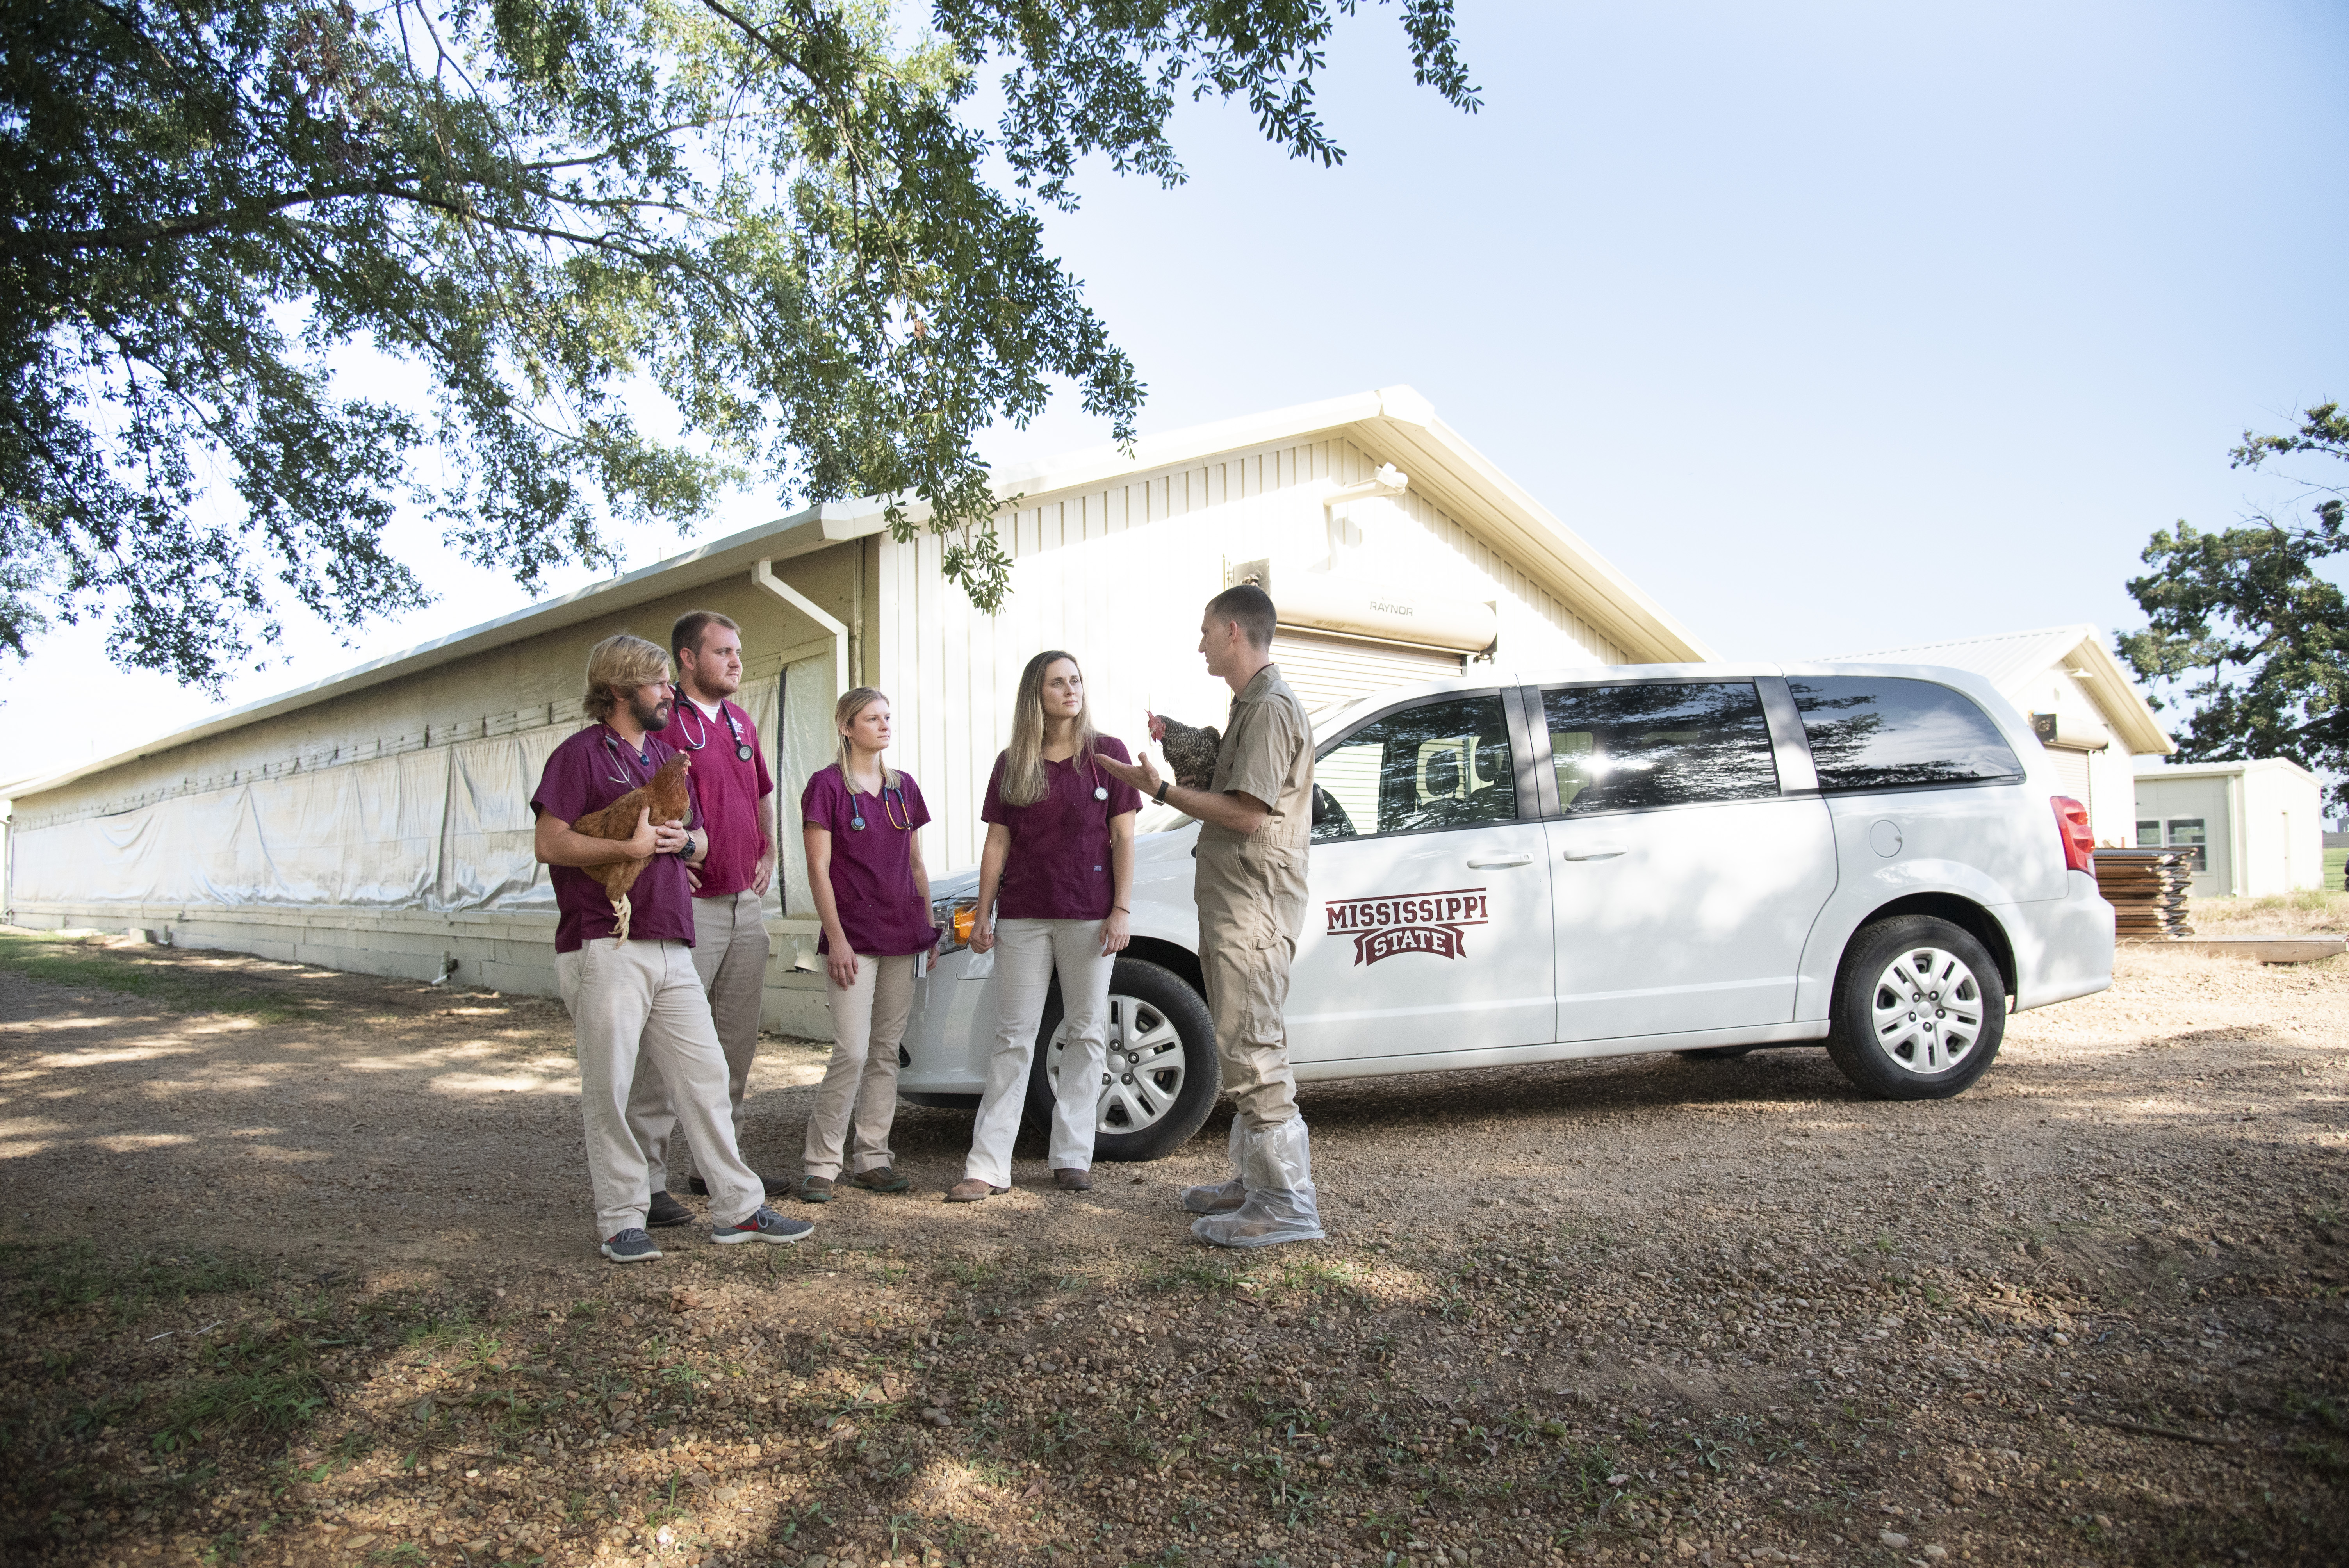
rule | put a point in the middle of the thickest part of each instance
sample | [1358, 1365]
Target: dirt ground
[297, 1269]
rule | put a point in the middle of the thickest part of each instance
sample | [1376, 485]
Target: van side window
[1443, 764]
[1624, 748]
[1868, 733]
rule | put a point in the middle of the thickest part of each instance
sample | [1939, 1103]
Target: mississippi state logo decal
[1434, 923]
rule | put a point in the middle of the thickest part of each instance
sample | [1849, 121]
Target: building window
[2186, 834]
[2149, 833]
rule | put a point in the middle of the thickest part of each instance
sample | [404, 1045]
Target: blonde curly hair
[620, 664]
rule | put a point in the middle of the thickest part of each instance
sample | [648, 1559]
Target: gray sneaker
[631, 1246]
[763, 1225]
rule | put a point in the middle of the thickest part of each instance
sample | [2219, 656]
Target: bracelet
[1120, 909]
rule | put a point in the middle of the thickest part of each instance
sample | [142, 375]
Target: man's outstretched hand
[1138, 773]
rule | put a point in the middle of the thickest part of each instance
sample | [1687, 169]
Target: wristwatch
[1161, 797]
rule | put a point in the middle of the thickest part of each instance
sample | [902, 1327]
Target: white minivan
[1705, 859]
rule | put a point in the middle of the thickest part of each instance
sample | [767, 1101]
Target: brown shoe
[881, 1179]
[970, 1190]
[1069, 1178]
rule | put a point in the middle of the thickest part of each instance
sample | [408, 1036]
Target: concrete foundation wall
[494, 950]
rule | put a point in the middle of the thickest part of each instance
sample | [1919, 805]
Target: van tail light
[2079, 839]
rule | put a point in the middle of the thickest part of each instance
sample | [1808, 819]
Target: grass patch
[75, 961]
[1199, 1274]
[253, 1386]
[52, 1281]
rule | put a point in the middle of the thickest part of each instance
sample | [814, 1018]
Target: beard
[650, 713]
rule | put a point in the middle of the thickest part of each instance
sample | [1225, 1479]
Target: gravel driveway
[298, 1271]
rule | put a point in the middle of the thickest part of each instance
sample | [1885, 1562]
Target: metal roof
[1394, 423]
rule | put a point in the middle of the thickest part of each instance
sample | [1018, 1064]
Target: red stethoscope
[724, 711]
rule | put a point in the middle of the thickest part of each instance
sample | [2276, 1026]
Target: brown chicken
[1190, 753]
[665, 797]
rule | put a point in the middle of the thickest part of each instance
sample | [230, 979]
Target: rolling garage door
[1325, 671]
[2072, 768]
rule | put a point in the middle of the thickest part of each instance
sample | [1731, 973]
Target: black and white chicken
[1190, 752]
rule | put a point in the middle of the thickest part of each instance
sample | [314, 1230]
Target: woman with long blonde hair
[1055, 883]
[859, 819]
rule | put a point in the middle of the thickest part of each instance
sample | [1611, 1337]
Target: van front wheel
[1160, 1076]
[1919, 1009]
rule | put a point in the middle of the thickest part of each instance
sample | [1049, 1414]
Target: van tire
[1892, 955]
[1164, 1000]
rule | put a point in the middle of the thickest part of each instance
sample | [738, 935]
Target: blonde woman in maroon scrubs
[1055, 881]
[858, 818]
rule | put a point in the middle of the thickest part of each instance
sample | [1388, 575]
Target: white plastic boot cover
[1277, 1169]
[1222, 1199]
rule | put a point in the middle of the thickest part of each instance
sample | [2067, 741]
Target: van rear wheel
[1919, 1009]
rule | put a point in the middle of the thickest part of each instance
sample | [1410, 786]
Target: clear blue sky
[1835, 325]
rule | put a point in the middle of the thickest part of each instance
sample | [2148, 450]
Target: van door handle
[1595, 852]
[1480, 862]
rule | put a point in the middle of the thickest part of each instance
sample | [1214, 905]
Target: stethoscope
[901, 819]
[741, 746]
[644, 760]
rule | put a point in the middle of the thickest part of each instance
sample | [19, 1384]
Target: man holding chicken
[1256, 818]
[636, 993]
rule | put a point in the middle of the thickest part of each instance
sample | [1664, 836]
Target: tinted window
[1868, 734]
[1440, 765]
[1621, 748]
[2187, 833]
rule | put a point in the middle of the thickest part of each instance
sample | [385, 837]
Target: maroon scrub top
[586, 774]
[1057, 868]
[727, 788]
[881, 911]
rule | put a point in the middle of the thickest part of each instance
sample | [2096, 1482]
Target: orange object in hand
[965, 920]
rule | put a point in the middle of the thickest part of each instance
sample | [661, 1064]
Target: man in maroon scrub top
[729, 926]
[638, 995]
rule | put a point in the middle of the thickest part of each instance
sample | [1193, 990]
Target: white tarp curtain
[441, 830]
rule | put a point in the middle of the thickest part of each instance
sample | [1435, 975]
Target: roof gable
[2012, 660]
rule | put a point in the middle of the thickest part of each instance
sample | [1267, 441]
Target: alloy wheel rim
[1928, 1011]
[1143, 1065]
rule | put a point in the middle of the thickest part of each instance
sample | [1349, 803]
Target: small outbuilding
[2082, 705]
[2252, 829]
[378, 820]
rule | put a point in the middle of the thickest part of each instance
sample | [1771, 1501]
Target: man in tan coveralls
[1256, 821]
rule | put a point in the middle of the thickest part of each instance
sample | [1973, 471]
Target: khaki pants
[642, 998]
[1025, 954]
[1247, 986]
[730, 954]
[868, 1023]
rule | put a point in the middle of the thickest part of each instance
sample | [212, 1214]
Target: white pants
[730, 953]
[642, 996]
[868, 1024]
[1026, 952]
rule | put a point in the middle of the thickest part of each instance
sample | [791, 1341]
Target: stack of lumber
[2147, 889]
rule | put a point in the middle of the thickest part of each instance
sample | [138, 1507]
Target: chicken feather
[665, 797]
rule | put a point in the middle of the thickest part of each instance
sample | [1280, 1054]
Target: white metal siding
[1117, 575]
[1326, 671]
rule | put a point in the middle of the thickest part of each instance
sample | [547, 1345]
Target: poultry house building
[378, 820]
